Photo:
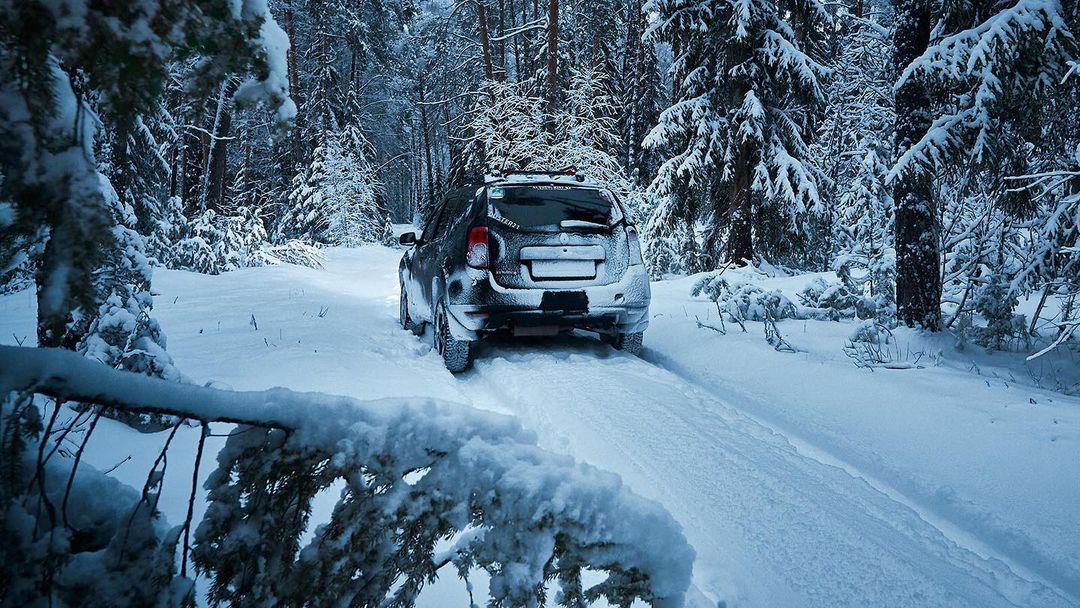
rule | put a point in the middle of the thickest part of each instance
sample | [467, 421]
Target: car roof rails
[505, 173]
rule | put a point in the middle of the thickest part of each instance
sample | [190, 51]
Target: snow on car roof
[541, 178]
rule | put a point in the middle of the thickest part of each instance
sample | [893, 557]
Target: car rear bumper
[485, 306]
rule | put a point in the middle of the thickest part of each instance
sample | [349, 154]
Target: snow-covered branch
[1021, 50]
[968, 51]
[524, 515]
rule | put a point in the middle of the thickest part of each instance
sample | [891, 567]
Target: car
[525, 254]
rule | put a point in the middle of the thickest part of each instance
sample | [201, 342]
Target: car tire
[630, 343]
[403, 314]
[456, 354]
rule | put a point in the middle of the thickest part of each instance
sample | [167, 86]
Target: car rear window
[548, 205]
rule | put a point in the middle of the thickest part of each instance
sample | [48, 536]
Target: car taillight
[477, 254]
[635, 245]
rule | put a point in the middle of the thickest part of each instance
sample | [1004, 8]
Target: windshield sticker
[510, 223]
[493, 213]
[496, 193]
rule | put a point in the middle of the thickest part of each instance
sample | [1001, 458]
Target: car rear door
[426, 263]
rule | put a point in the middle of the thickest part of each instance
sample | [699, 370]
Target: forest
[929, 146]
[927, 152]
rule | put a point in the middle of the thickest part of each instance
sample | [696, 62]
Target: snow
[488, 473]
[273, 88]
[799, 479]
[987, 458]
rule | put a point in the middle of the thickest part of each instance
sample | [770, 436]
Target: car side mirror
[407, 238]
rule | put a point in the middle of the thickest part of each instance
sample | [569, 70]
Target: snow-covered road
[772, 525]
[777, 520]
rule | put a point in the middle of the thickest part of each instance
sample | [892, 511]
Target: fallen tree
[426, 484]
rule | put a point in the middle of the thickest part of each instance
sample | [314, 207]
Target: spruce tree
[641, 94]
[746, 91]
[49, 67]
[854, 146]
[996, 73]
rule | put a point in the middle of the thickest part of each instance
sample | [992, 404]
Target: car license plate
[563, 269]
[564, 300]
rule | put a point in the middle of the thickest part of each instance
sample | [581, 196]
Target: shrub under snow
[744, 301]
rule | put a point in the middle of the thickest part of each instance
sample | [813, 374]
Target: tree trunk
[214, 189]
[485, 46]
[502, 39]
[740, 242]
[426, 142]
[535, 40]
[294, 82]
[416, 168]
[517, 44]
[552, 91]
[918, 267]
[174, 168]
[326, 82]
[190, 169]
[634, 67]
[121, 156]
[451, 149]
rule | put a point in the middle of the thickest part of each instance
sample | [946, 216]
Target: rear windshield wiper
[583, 224]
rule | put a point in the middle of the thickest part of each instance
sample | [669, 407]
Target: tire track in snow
[772, 526]
[953, 530]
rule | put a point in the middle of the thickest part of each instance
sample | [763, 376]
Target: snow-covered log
[427, 483]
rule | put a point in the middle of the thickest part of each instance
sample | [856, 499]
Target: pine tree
[855, 148]
[49, 167]
[745, 95]
[169, 226]
[243, 240]
[120, 332]
[866, 227]
[355, 213]
[199, 250]
[642, 96]
[305, 216]
[918, 276]
[586, 130]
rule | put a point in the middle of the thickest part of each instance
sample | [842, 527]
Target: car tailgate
[526, 259]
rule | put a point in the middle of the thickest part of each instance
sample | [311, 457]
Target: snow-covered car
[530, 254]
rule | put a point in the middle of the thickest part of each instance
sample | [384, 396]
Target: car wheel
[403, 314]
[630, 343]
[456, 354]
